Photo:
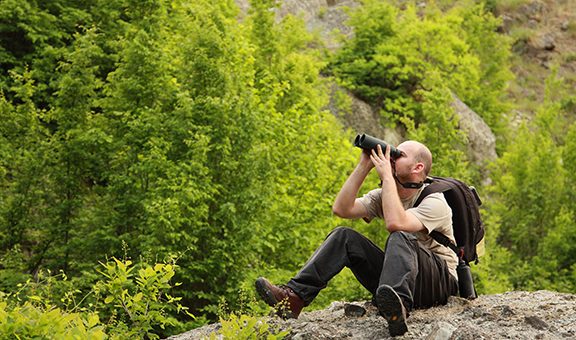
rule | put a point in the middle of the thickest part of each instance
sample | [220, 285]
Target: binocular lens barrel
[368, 142]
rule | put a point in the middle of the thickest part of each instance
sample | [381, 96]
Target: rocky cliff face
[513, 315]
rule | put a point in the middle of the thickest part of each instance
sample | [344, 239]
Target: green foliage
[28, 321]
[505, 6]
[441, 127]
[142, 297]
[12, 273]
[533, 197]
[492, 274]
[246, 327]
[494, 68]
[120, 304]
[344, 287]
[404, 61]
[171, 128]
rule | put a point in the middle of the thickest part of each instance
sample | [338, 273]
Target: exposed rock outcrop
[481, 139]
[361, 117]
[512, 315]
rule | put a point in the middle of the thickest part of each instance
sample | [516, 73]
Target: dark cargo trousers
[418, 276]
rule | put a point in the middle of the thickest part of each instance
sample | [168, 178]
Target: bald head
[419, 152]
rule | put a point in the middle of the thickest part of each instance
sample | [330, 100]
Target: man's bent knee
[400, 237]
[340, 231]
[344, 233]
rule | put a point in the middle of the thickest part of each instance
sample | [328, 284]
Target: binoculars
[367, 142]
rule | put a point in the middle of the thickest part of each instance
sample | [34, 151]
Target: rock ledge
[511, 315]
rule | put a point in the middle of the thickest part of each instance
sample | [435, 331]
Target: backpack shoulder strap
[437, 185]
[444, 240]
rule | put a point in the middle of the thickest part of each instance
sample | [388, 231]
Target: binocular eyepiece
[367, 142]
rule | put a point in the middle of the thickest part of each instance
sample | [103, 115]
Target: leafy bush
[532, 196]
[143, 297]
[246, 327]
[127, 301]
[28, 321]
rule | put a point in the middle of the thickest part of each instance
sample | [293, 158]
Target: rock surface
[481, 139]
[362, 118]
[512, 315]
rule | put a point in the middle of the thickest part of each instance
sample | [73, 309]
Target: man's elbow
[339, 211]
[406, 226]
[394, 226]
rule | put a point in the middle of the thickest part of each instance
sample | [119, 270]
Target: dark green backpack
[466, 221]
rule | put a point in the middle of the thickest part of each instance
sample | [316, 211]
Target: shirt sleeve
[433, 212]
[372, 201]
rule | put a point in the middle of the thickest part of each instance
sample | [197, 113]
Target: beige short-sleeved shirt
[434, 213]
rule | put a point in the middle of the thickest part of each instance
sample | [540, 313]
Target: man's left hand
[381, 161]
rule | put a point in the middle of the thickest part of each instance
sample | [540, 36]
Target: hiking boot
[392, 309]
[288, 304]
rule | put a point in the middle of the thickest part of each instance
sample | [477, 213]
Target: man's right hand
[365, 160]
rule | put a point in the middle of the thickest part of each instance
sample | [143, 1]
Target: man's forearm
[392, 209]
[345, 199]
[396, 217]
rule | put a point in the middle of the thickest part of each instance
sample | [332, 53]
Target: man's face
[405, 164]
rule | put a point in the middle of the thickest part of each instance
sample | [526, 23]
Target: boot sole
[269, 298]
[265, 293]
[390, 306]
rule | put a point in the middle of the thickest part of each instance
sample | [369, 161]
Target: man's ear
[419, 167]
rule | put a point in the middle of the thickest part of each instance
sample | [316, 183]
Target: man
[413, 271]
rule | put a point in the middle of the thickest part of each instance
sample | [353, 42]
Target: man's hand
[365, 159]
[382, 162]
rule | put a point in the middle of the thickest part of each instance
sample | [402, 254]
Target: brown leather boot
[288, 304]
